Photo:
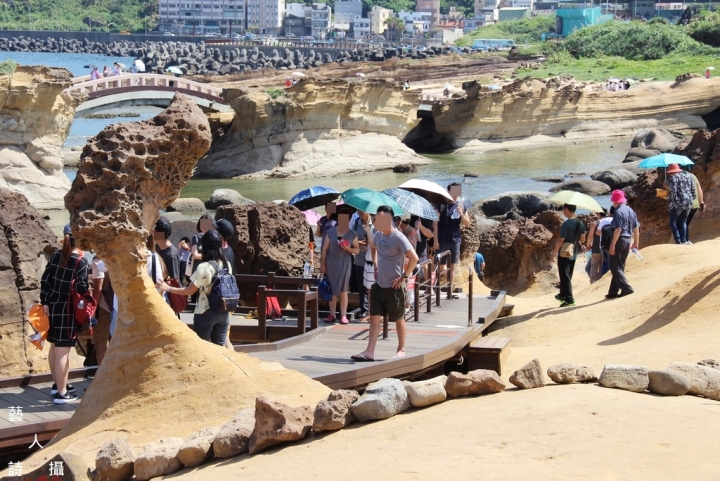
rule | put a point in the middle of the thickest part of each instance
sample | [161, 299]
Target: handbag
[177, 302]
[83, 306]
[324, 290]
[567, 250]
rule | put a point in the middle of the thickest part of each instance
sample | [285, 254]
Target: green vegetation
[705, 28]
[8, 67]
[275, 92]
[520, 31]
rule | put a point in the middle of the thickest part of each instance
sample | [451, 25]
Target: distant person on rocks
[165, 249]
[339, 245]
[447, 236]
[196, 241]
[680, 201]
[106, 71]
[479, 266]
[94, 75]
[209, 325]
[288, 82]
[358, 226]
[707, 73]
[107, 307]
[567, 248]
[64, 266]
[390, 248]
[406, 85]
[698, 202]
[626, 236]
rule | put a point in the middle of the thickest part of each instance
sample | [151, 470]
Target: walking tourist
[707, 73]
[105, 297]
[680, 201]
[479, 266]
[94, 74]
[626, 236]
[184, 255]
[226, 231]
[698, 203]
[425, 230]
[64, 266]
[358, 226]
[387, 296]
[116, 70]
[209, 325]
[336, 261]
[567, 247]
[165, 249]
[593, 245]
[447, 235]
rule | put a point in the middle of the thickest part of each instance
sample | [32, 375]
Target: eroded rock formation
[35, 119]
[317, 129]
[158, 379]
[26, 242]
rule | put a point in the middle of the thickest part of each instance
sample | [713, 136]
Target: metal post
[262, 322]
[416, 289]
[314, 308]
[302, 297]
[470, 298]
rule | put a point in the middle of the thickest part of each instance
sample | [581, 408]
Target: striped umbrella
[412, 203]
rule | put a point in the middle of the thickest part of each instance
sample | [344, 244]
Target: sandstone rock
[26, 243]
[567, 373]
[662, 140]
[513, 205]
[585, 186]
[404, 168]
[636, 154]
[158, 459]
[427, 392]
[704, 381]
[480, 381]
[74, 468]
[277, 423]
[529, 376]
[198, 447]
[114, 462]
[187, 205]
[553, 180]
[710, 363]
[382, 399]
[335, 412]
[234, 436]
[668, 383]
[19, 173]
[629, 378]
[221, 197]
[615, 178]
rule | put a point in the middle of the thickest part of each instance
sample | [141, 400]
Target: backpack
[272, 306]
[606, 235]
[224, 294]
[82, 306]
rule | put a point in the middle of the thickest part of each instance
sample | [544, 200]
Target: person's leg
[62, 368]
[570, 269]
[51, 361]
[623, 249]
[451, 278]
[682, 225]
[674, 215]
[565, 289]
[228, 343]
[614, 271]
[395, 303]
[220, 323]
[690, 217]
[333, 306]
[202, 325]
[343, 304]
[377, 311]
[101, 334]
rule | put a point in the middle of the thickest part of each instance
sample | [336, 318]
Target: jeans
[566, 267]
[617, 268]
[359, 272]
[678, 224]
[212, 326]
[689, 219]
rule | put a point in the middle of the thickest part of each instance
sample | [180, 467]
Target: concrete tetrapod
[158, 378]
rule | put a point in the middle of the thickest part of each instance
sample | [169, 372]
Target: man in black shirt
[447, 234]
[164, 248]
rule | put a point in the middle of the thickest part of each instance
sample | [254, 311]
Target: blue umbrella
[314, 197]
[663, 160]
[412, 203]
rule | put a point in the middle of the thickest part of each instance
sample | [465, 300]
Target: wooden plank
[284, 344]
[17, 435]
[45, 377]
[490, 343]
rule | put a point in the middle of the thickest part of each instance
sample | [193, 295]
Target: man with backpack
[567, 247]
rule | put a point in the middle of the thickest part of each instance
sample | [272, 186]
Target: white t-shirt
[98, 272]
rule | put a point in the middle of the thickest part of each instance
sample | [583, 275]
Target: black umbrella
[314, 197]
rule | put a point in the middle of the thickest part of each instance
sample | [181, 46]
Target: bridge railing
[138, 81]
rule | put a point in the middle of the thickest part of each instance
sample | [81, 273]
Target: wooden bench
[488, 353]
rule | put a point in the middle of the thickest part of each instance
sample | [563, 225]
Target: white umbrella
[174, 70]
[711, 68]
[360, 74]
[122, 66]
[297, 74]
[426, 189]
[140, 65]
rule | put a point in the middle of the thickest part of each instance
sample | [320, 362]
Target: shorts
[454, 248]
[388, 301]
[63, 329]
[101, 332]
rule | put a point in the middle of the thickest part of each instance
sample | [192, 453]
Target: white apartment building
[378, 15]
[295, 9]
[416, 22]
[265, 16]
[347, 10]
[360, 26]
[321, 16]
[202, 16]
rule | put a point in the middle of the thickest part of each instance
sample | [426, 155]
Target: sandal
[361, 358]
[330, 319]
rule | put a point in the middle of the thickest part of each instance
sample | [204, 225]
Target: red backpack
[272, 306]
[82, 306]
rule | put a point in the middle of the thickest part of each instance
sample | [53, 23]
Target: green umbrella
[581, 201]
[369, 200]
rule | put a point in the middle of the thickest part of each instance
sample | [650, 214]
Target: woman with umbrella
[680, 201]
[338, 247]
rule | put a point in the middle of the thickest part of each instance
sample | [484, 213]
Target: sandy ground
[556, 432]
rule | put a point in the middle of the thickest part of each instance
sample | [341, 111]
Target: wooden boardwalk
[322, 354]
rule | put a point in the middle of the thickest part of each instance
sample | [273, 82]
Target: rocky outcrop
[518, 253]
[114, 462]
[474, 383]
[26, 242]
[513, 205]
[668, 383]
[158, 459]
[585, 186]
[427, 392]
[616, 177]
[382, 399]
[317, 129]
[221, 197]
[234, 436]
[35, 119]
[704, 381]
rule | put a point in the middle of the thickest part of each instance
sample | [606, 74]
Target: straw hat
[672, 169]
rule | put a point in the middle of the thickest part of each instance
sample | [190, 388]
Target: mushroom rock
[159, 379]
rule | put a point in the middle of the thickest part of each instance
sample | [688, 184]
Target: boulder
[621, 376]
[704, 381]
[484, 224]
[636, 154]
[480, 381]
[427, 392]
[335, 412]
[234, 436]
[73, 466]
[615, 178]
[567, 373]
[668, 383]
[277, 423]
[553, 180]
[585, 186]
[529, 376]
[382, 399]
[404, 168]
[221, 197]
[513, 205]
[662, 140]
[158, 459]
[114, 462]
[198, 447]
[187, 205]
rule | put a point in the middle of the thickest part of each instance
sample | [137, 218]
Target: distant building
[417, 23]
[320, 18]
[194, 16]
[569, 19]
[347, 10]
[430, 6]
[295, 21]
[512, 13]
[360, 27]
[473, 24]
[378, 15]
[265, 16]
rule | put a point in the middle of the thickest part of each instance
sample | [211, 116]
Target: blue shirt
[479, 261]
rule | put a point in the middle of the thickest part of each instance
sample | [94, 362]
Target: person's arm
[616, 236]
[325, 246]
[590, 239]
[97, 289]
[636, 234]
[556, 249]
[424, 230]
[482, 266]
[196, 254]
[436, 242]
[181, 291]
[412, 258]
[354, 248]
[700, 197]
[81, 284]
[464, 218]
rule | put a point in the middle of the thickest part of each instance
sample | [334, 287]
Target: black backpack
[224, 294]
[606, 235]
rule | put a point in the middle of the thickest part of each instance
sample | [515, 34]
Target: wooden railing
[142, 81]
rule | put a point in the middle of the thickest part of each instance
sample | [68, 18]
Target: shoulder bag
[567, 250]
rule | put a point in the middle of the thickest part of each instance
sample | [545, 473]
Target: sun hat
[672, 169]
[618, 196]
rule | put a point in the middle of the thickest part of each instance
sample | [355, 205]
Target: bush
[520, 31]
[705, 28]
[275, 92]
[634, 41]
[8, 67]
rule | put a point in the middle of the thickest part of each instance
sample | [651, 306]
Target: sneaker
[344, 320]
[687, 243]
[53, 390]
[560, 298]
[330, 319]
[64, 398]
[568, 303]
